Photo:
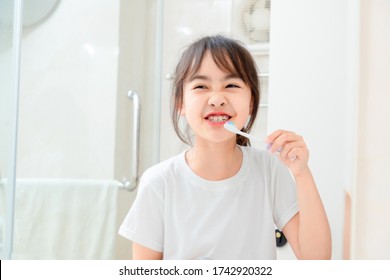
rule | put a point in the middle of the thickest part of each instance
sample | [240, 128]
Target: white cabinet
[308, 93]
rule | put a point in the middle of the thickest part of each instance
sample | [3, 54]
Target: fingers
[289, 151]
[288, 144]
[293, 154]
[278, 140]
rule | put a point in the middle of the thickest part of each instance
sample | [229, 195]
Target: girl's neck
[215, 161]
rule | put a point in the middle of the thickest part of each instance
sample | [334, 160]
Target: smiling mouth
[218, 118]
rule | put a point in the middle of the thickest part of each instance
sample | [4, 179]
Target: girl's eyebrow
[206, 78]
[198, 77]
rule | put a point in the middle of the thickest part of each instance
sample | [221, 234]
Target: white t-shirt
[187, 217]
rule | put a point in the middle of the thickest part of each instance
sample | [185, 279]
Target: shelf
[259, 49]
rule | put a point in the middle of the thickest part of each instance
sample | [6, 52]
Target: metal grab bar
[133, 183]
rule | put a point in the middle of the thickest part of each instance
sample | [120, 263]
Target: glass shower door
[79, 60]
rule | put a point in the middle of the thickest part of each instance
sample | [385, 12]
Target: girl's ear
[179, 104]
[181, 110]
[251, 107]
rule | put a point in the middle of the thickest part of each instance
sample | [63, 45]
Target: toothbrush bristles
[231, 127]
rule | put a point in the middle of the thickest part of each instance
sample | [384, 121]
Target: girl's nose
[217, 100]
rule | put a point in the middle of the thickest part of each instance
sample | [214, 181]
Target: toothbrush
[232, 128]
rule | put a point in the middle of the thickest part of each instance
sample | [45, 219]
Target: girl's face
[213, 97]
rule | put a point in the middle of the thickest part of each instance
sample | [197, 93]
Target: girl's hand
[291, 149]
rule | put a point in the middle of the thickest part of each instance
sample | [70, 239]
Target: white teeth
[218, 118]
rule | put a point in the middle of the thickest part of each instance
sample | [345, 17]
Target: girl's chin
[228, 139]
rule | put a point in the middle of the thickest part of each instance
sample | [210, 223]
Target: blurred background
[84, 110]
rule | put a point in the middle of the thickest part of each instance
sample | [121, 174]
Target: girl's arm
[308, 232]
[142, 253]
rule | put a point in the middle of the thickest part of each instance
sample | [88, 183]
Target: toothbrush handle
[247, 135]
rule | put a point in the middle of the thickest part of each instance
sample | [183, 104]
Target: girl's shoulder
[164, 169]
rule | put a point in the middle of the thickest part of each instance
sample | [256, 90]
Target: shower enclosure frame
[9, 184]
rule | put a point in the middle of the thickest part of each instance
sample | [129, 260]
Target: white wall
[308, 92]
[371, 195]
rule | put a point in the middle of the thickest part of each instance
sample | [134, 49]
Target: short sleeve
[144, 224]
[285, 203]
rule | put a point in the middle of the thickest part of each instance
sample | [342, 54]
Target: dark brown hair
[229, 55]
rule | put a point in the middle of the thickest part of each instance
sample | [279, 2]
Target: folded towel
[65, 219]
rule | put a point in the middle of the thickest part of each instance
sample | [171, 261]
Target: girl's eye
[200, 87]
[232, 86]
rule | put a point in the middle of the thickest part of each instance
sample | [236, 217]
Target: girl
[221, 199]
